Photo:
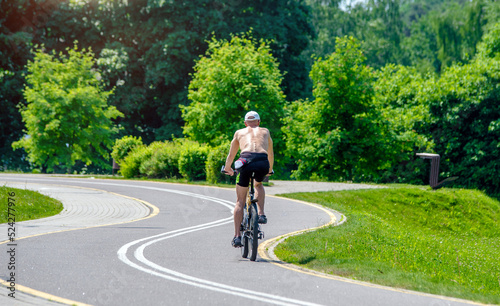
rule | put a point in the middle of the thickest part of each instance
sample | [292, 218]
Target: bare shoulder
[265, 130]
[238, 133]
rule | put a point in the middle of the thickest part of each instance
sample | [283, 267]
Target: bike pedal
[261, 235]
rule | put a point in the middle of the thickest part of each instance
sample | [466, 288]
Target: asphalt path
[181, 255]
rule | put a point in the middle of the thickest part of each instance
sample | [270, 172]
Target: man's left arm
[233, 150]
[270, 154]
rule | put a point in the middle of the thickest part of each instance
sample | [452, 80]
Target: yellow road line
[43, 295]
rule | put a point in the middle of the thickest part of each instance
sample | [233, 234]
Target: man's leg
[261, 196]
[241, 195]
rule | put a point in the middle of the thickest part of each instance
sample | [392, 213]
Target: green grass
[443, 242]
[27, 205]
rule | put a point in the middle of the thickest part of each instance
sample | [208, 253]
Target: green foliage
[150, 74]
[465, 114]
[131, 164]
[67, 117]
[15, 51]
[164, 161]
[215, 160]
[442, 242]
[168, 159]
[426, 34]
[490, 44]
[233, 78]
[123, 146]
[146, 51]
[398, 96]
[338, 135]
[192, 162]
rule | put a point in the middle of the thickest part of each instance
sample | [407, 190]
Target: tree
[233, 78]
[67, 116]
[405, 111]
[15, 40]
[339, 135]
[287, 24]
[466, 117]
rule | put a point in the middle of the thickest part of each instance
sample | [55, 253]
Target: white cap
[252, 116]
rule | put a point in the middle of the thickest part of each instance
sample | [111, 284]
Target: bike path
[183, 256]
[83, 208]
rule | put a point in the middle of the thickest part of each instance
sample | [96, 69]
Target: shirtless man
[256, 144]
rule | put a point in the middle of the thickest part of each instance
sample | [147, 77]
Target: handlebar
[223, 171]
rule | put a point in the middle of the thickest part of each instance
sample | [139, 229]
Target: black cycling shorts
[259, 165]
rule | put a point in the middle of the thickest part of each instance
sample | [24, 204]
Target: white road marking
[180, 277]
[172, 275]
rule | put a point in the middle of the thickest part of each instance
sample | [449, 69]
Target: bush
[215, 160]
[164, 161]
[192, 161]
[123, 147]
[131, 164]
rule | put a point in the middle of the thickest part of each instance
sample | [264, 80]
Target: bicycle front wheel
[254, 232]
[244, 248]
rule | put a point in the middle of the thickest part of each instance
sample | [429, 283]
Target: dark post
[115, 166]
[433, 179]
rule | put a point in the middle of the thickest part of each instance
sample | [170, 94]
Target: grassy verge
[443, 242]
[27, 205]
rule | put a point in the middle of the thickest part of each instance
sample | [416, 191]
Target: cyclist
[256, 156]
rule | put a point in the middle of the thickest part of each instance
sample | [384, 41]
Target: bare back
[253, 139]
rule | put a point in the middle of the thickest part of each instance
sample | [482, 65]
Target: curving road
[168, 244]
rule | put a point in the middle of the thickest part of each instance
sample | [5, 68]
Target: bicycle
[250, 228]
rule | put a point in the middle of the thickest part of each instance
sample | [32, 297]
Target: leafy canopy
[67, 116]
[336, 135]
[233, 78]
[466, 117]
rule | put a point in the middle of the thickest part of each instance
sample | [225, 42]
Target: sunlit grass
[26, 205]
[444, 242]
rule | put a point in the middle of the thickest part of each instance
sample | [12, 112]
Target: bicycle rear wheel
[254, 232]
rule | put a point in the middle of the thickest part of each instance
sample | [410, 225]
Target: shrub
[192, 161]
[123, 146]
[215, 160]
[132, 162]
[164, 161]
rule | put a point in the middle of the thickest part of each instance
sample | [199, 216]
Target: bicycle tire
[244, 248]
[244, 232]
[254, 232]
